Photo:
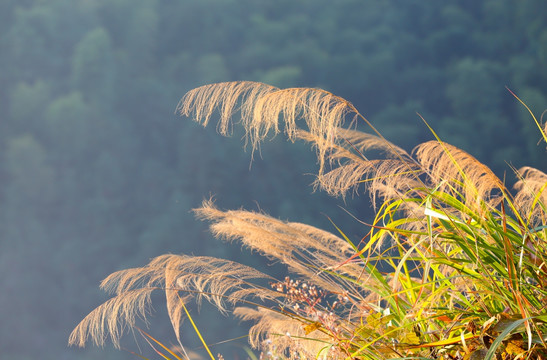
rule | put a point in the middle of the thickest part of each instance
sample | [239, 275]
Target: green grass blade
[496, 344]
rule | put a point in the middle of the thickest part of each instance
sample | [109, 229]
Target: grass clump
[453, 265]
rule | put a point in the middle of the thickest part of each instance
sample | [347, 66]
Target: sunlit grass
[453, 266]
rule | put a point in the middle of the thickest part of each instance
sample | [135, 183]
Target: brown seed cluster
[300, 292]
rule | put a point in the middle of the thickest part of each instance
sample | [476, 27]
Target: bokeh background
[98, 174]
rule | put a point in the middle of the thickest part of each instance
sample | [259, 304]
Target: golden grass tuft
[284, 335]
[458, 173]
[306, 250]
[262, 106]
[462, 254]
[112, 318]
[216, 280]
[531, 197]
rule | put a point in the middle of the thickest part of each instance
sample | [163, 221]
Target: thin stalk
[196, 328]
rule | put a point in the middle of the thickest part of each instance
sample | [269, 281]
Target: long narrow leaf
[496, 344]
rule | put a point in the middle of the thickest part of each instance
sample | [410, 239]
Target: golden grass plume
[261, 107]
[430, 196]
[180, 277]
[306, 250]
[531, 197]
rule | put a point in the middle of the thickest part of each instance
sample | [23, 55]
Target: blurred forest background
[98, 174]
